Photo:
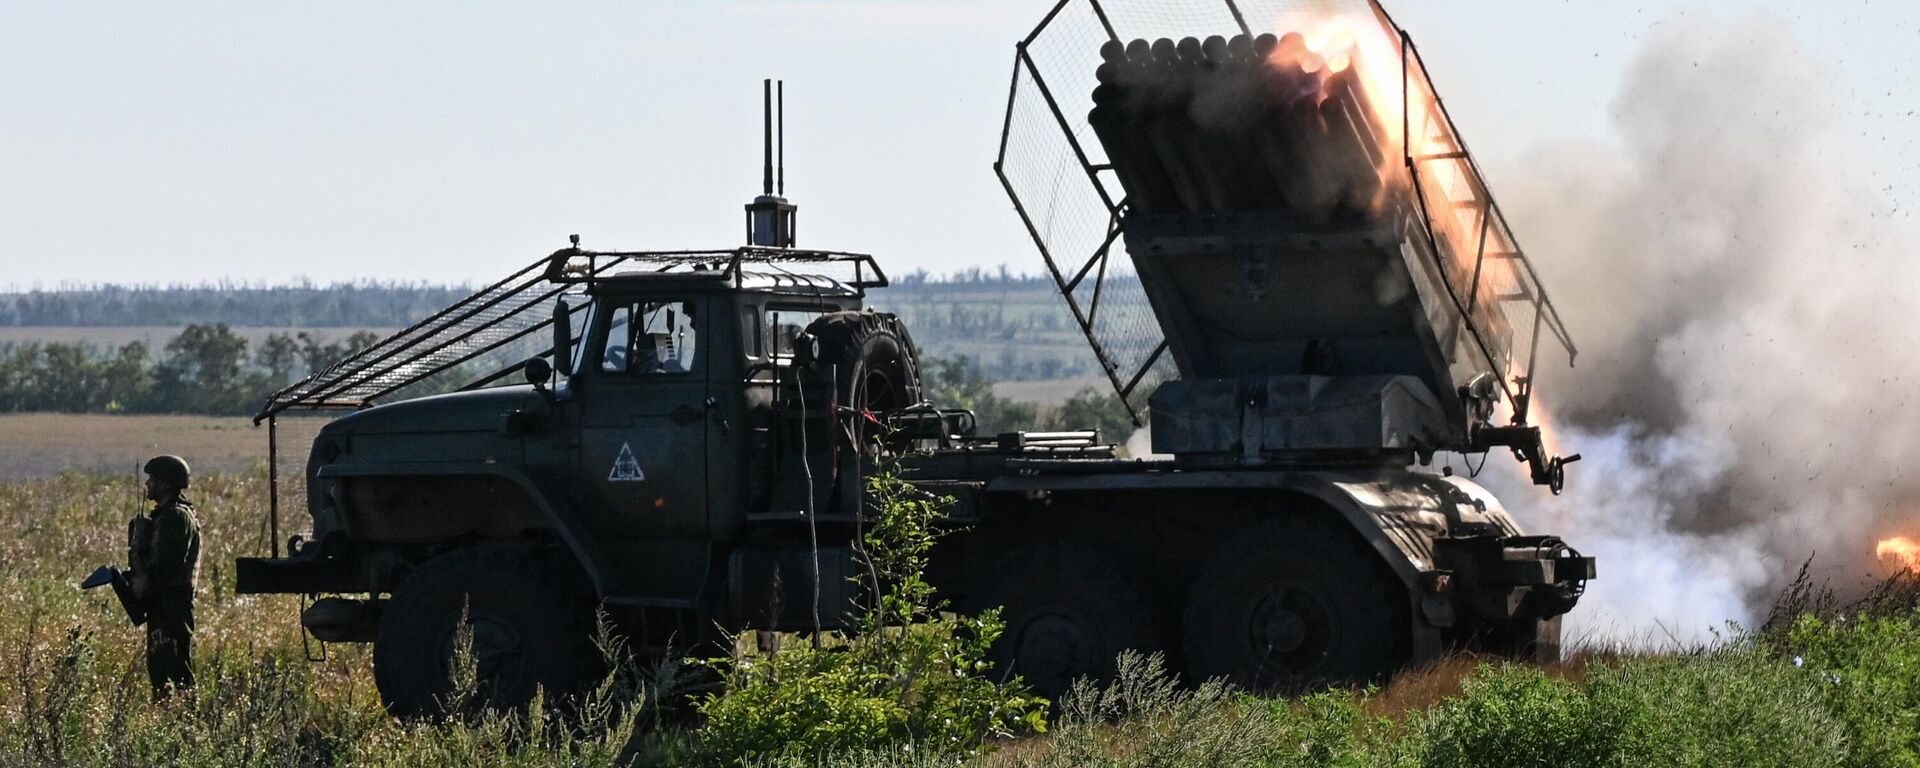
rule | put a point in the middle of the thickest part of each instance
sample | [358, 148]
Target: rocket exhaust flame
[1898, 553]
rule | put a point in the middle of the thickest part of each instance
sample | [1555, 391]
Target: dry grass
[1048, 391]
[1420, 688]
[42, 444]
[61, 527]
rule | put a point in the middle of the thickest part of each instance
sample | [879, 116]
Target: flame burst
[1898, 552]
[1357, 41]
[1415, 137]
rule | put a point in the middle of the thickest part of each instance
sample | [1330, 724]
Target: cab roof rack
[518, 307]
[572, 265]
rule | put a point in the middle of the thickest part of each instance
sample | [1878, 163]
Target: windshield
[649, 337]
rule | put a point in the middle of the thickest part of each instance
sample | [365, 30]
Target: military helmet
[169, 469]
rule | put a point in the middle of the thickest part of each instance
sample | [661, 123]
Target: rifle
[139, 531]
[122, 589]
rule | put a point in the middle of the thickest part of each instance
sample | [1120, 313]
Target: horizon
[991, 272]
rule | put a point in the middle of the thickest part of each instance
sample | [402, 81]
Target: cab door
[645, 419]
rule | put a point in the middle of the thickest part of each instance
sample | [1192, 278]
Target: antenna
[780, 109]
[770, 218]
[766, 134]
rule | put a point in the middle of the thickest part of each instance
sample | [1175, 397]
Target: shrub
[906, 675]
[1731, 706]
[1513, 715]
[1145, 717]
[1867, 671]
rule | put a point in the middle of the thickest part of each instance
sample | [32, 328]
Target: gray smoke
[1747, 322]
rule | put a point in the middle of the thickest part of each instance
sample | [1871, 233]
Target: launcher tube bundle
[1324, 265]
[1242, 124]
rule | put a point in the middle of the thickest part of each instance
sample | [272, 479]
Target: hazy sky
[443, 141]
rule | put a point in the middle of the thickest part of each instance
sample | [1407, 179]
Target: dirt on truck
[1250, 247]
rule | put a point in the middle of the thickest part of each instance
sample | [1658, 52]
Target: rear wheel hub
[1290, 630]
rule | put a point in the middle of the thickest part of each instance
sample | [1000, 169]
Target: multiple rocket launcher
[1324, 264]
[1251, 123]
[1282, 239]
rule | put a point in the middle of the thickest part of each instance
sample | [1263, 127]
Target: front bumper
[298, 575]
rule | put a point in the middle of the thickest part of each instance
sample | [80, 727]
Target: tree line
[366, 304]
[207, 368]
[1034, 335]
[301, 305]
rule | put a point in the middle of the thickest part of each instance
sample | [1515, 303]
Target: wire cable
[813, 526]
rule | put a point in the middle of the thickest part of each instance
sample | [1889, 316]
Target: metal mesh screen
[494, 318]
[1492, 280]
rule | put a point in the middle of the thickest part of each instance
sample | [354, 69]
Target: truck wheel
[1535, 640]
[877, 370]
[1545, 648]
[532, 625]
[1068, 612]
[1292, 604]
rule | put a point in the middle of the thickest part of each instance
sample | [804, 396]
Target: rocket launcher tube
[1157, 111]
[1352, 145]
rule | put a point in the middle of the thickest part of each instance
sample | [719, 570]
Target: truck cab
[671, 401]
[654, 464]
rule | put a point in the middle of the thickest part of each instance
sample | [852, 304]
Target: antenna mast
[781, 123]
[771, 219]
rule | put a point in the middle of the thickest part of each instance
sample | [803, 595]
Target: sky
[454, 142]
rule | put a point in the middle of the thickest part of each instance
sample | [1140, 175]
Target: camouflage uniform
[166, 551]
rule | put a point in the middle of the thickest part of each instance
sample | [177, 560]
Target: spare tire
[876, 363]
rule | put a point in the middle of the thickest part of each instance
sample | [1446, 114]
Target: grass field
[1832, 687]
[39, 444]
[1050, 391]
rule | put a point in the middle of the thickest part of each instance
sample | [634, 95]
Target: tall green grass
[1821, 684]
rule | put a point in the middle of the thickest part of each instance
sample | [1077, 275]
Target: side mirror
[563, 336]
[538, 371]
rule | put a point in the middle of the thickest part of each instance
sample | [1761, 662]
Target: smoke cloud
[1747, 327]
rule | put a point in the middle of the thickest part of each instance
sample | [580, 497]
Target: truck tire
[1545, 648]
[532, 628]
[1290, 605]
[1526, 639]
[875, 358]
[1068, 612]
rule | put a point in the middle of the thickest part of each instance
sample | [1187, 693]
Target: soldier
[165, 548]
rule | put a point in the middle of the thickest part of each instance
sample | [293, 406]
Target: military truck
[686, 457]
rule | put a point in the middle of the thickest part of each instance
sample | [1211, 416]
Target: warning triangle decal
[625, 467]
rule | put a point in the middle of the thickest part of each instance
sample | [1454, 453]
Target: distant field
[1050, 391]
[156, 336]
[41, 444]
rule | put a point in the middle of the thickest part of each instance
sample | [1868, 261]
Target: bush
[1867, 672]
[1513, 715]
[907, 674]
[1145, 717]
[1733, 706]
